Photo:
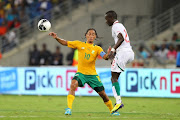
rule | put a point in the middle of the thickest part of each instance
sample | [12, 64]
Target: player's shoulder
[117, 25]
[97, 47]
[78, 41]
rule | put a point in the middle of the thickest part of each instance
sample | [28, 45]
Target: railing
[157, 25]
[28, 29]
[154, 27]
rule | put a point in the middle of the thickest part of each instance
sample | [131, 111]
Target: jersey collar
[89, 44]
[116, 22]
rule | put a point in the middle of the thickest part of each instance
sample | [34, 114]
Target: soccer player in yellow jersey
[86, 73]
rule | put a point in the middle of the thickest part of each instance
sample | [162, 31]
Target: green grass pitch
[86, 108]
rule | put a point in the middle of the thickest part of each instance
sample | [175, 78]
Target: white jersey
[124, 53]
[119, 28]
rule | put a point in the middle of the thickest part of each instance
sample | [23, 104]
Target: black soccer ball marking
[44, 20]
[41, 27]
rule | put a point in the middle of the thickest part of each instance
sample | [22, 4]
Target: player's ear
[95, 36]
[86, 35]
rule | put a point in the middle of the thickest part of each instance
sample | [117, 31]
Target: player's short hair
[92, 29]
[112, 14]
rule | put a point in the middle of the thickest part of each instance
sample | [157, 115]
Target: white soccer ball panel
[44, 25]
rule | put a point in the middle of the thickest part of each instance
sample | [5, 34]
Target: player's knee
[74, 85]
[101, 93]
[114, 79]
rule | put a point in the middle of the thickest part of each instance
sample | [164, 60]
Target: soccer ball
[44, 25]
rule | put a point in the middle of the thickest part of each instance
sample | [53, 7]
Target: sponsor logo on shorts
[76, 74]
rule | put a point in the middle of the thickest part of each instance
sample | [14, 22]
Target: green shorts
[92, 80]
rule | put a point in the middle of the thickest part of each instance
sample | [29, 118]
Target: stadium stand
[39, 77]
[59, 9]
[70, 25]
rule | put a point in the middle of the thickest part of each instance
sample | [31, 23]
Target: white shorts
[121, 58]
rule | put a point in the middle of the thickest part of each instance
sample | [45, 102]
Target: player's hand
[54, 35]
[109, 50]
[111, 55]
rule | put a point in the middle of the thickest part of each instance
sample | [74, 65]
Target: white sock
[118, 99]
[114, 92]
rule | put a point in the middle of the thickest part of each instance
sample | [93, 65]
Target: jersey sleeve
[74, 44]
[118, 29]
[100, 50]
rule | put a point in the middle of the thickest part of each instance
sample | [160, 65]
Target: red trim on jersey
[115, 22]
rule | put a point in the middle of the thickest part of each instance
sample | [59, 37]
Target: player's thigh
[80, 78]
[95, 83]
[120, 61]
[118, 64]
[131, 56]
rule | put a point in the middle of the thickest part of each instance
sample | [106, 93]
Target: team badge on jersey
[93, 52]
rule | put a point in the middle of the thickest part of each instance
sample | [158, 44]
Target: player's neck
[115, 20]
[89, 42]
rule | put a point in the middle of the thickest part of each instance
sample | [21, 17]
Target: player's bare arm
[119, 42]
[60, 40]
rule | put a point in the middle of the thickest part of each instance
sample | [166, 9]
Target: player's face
[109, 20]
[91, 36]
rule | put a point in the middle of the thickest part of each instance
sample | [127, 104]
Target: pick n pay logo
[132, 81]
[175, 82]
[153, 81]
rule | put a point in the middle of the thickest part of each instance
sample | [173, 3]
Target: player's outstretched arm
[61, 41]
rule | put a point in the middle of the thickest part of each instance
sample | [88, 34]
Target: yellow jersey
[87, 54]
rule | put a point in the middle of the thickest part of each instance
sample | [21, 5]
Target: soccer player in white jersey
[121, 54]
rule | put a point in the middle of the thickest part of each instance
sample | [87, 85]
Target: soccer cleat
[68, 111]
[115, 114]
[117, 107]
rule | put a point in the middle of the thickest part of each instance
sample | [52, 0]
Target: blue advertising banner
[8, 80]
[151, 83]
[56, 81]
[47, 81]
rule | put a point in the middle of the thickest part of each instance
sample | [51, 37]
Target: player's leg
[95, 83]
[71, 96]
[107, 102]
[116, 91]
[78, 81]
[116, 86]
[117, 67]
